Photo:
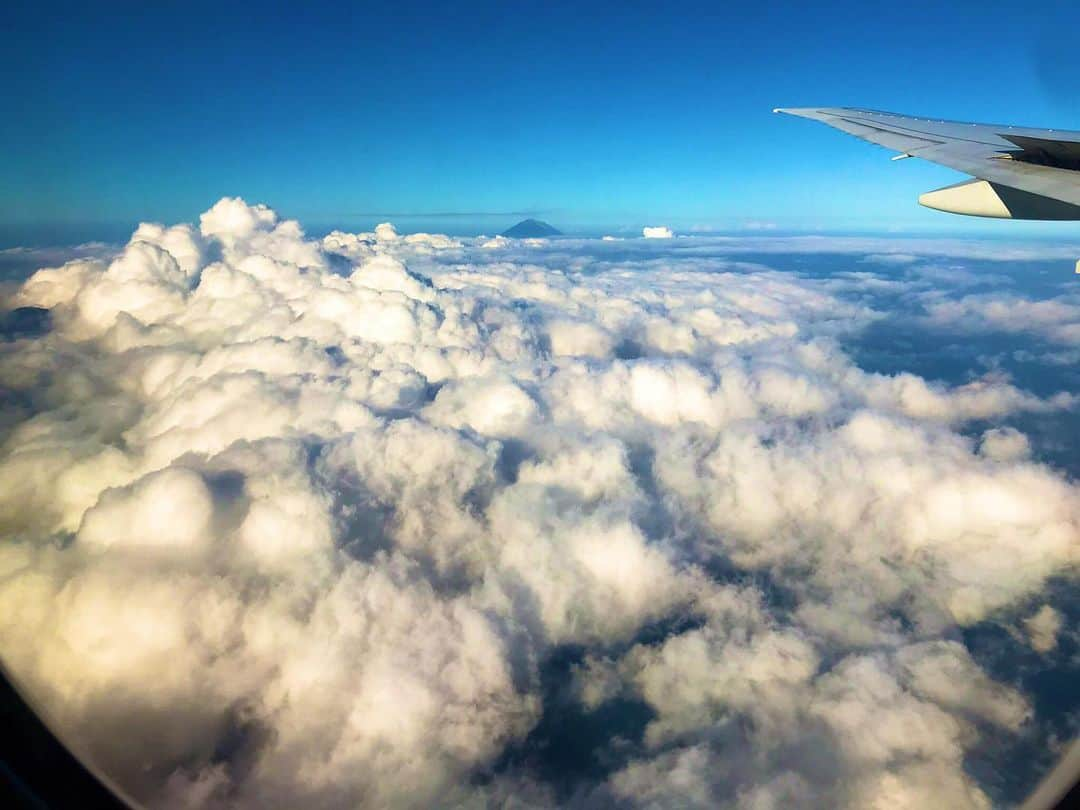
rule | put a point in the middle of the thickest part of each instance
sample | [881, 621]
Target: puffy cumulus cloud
[497, 242]
[579, 338]
[1056, 320]
[953, 538]
[386, 232]
[657, 232]
[1043, 627]
[492, 407]
[169, 510]
[590, 574]
[985, 398]
[758, 725]
[1005, 444]
[314, 521]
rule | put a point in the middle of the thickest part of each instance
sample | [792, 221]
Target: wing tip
[802, 112]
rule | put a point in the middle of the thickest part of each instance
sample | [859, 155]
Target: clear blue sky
[586, 113]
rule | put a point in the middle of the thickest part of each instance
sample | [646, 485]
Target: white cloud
[1054, 319]
[875, 731]
[1005, 444]
[579, 338]
[386, 232]
[891, 259]
[491, 407]
[1043, 627]
[759, 225]
[657, 232]
[333, 505]
[170, 510]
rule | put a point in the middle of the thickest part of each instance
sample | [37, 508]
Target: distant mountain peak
[529, 228]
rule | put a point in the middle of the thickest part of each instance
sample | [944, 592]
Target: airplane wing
[1019, 173]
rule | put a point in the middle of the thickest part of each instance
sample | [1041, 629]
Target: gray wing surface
[1044, 162]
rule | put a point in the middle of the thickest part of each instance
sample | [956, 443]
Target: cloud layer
[290, 520]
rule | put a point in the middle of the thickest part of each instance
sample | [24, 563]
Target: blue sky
[586, 114]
